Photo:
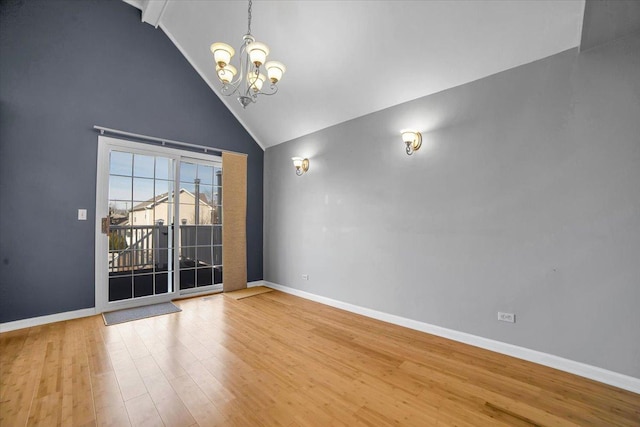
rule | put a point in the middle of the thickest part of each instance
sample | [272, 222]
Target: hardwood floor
[278, 360]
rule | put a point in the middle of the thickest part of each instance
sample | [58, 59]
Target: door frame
[105, 145]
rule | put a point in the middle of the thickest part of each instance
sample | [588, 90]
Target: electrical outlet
[507, 317]
[305, 277]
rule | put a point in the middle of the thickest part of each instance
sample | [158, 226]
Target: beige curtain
[234, 222]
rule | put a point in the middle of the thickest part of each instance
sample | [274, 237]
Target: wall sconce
[413, 140]
[302, 165]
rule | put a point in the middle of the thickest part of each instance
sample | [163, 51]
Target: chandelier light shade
[226, 74]
[248, 80]
[256, 82]
[258, 53]
[275, 70]
[222, 54]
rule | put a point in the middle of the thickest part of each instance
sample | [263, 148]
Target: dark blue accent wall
[65, 66]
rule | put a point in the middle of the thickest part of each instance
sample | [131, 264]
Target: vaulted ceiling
[346, 59]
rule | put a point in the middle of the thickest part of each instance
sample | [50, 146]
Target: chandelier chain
[249, 19]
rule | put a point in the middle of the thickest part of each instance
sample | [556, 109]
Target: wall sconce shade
[301, 165]
[412, 139]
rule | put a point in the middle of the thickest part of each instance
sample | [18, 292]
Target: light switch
[82, 214]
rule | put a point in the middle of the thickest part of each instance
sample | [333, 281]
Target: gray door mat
[129, 314]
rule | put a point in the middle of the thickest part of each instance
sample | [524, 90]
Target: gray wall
[608, 20]
[67, 65]
[524, 198]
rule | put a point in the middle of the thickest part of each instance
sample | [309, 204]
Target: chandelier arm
[233, 86]
[247, 72]
[230, 88]
[273, 87]
[236, 84]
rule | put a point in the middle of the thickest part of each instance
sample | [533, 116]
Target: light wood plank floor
[278, 360]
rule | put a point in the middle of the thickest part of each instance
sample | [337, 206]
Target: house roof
[149, 204]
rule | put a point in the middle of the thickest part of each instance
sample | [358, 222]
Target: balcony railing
[141, 247]
[132, 247]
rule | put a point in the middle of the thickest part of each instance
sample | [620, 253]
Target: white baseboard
[42, 320]
[592, 372]
[256, 283]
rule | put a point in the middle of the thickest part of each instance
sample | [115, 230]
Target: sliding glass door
[141, 217]
[159, 214]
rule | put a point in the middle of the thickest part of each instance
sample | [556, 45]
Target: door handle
[105, 225]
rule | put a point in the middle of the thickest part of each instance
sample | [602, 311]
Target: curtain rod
[163, 141]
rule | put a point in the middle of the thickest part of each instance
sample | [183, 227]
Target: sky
[135, 178]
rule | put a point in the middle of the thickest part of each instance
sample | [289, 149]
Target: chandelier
[250, 82]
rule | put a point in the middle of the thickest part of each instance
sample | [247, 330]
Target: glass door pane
[141, 217]
[200, 207]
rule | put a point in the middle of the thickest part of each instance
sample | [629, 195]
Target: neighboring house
[158, 209]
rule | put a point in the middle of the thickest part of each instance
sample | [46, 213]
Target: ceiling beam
[152, 11]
